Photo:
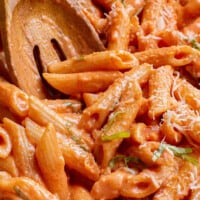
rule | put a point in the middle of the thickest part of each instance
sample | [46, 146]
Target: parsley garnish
[195, 44]
[113, 117]
[79, 142]
[125, 159]
[68, 104]
[68, 126]
[177, 151]
[81, 57]
[107, 138]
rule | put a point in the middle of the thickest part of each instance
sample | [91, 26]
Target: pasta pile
[129, 124]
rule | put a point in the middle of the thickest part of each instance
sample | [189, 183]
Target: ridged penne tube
[74, 152]
[63, 105]
[160, 84]
[25, 188]
[141, 133]
[22, 150]
[79, 192]
[95, 115]
[97, 61]
[5, 145]
[140, 73]
[158, 15]
[8, 164]
[33, 131]
[77, 158]
[118, 27]
[51, 164]
[171, 135]
[90, 98]
[175, 56]
[184, 120]
[185, 91]
[72, 118]
[82, 82]
[13, 98]
[146, 151]
[178, 185]
[109, 148]
[94, 14]
[43, 115]
[120, 120]
[5, 112]
[123, 183]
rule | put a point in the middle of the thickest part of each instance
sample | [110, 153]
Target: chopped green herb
[113, 117]
[68, 104]
[68, 126]
[75, 138]
[84, 147]
[125, 159]
[158, 152]
[107, 138]
[79, 142]
[132, 160]
[177, 151]
[19, 193]
[115, 160]
[81, 57]
[195, 44]
[190, 159]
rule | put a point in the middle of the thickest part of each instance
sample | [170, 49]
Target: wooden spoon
[39, 33]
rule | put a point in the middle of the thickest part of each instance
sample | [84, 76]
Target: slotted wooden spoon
[38, 33]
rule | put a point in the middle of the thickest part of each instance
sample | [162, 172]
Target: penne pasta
[94, 116]
[23, 151]
[118, 124]
[13, 98]
[79, 192]
[98, 61]
[126, 184]
[73, 150]
[160, 91]
[90, 98]
[24, 187]
[184, 91]
[5, 112]
[177, 186]
[43, 115]
[119, 27]
[141, 133]
[175, 56]
[5, 144]
[126, 111]
[33, 131]
[51, 164]
[8, 164]
[82, 82]
[63, 105]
